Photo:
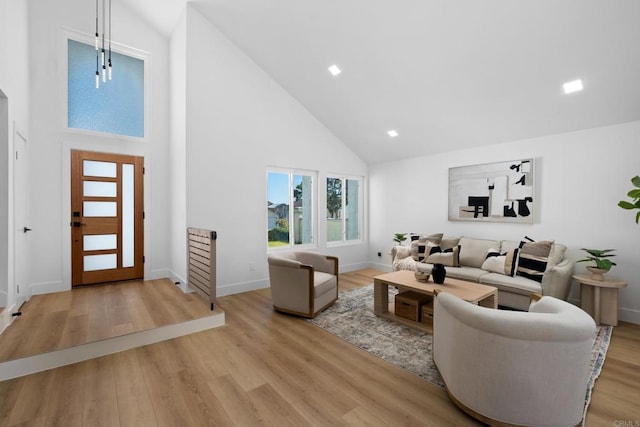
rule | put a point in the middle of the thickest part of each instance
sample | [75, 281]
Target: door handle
[25, 229]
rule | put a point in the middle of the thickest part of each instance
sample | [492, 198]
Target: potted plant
[399, 238]
[635, 195]
[601, 261]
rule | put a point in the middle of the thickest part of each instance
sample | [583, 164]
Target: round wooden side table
[599, 298]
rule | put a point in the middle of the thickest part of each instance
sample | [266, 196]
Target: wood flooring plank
[31, 403]
[68, 405]
[161, 384]
[203, 405]
[270, 405]
[100, 399]
[235, 401]
[75, 331]
[9, 395]
[134, 402]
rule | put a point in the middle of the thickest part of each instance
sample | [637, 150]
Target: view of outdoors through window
[290, 205]
[343, 209]
[286, 226]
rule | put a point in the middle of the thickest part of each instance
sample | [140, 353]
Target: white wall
[50, 142]
[178, 166]
[14, 85]
[581, 176]
[239, 122]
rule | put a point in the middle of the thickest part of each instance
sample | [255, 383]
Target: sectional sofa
[516, 268]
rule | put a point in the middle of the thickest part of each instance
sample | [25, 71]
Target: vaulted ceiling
[445, 74]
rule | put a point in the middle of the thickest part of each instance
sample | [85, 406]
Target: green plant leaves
[635, 195]
[626, 205]
[599, 258]
[399, 237]
[600, 253]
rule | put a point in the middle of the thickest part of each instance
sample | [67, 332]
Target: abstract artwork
[501, 192]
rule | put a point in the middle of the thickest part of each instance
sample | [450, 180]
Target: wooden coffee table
[404, 280]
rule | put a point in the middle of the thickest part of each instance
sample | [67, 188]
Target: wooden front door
[107, 217]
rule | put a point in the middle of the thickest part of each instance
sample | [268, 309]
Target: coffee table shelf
[474, 293]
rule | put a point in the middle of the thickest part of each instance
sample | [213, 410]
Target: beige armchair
[515, 368]
[303, 283]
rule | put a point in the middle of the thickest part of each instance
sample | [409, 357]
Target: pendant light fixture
[103, 68]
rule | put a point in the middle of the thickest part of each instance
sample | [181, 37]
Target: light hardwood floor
[264, 368]
[97, 312]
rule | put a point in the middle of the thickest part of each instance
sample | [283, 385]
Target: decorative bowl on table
[422, 276]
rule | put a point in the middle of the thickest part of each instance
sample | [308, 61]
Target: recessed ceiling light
[574, 86]
[335, 70]
[392, 133]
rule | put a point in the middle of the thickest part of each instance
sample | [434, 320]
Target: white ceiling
[446, 74]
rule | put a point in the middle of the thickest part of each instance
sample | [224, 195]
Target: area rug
[351, 318]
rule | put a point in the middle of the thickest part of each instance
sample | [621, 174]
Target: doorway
[5, 160]
[20, 217]
[107, 217]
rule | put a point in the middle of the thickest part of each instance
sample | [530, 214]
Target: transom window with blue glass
[117, 106]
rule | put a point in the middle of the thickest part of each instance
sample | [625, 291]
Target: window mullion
[292, 232]
[343, 196]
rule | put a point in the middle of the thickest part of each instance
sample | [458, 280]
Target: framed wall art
[499, 192]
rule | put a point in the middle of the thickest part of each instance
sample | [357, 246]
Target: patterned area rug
[351, 318]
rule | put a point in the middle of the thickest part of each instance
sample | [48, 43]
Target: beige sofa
[514, 288]
[511, 367]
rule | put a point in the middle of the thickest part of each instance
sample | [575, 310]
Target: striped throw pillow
[419, 244]
[533, 260]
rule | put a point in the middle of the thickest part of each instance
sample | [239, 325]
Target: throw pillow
[449, 257]
[533, 260]
[419, 244]
[504, 263]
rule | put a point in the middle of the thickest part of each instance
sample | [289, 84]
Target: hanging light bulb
[97, 34]
[110, 40]
[101, 45]
[97, 74]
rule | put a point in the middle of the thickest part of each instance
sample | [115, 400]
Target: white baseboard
[158, 274]
[380, 266]
[42, 362]
[237, 288]
[180, 282]
[353, 267]
[48, 287]
[6, 317]
[629, 315]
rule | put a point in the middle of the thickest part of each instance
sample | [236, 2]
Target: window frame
[70, 34]
[291, 172]
[344, 241]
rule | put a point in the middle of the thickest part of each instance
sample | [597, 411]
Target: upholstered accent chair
[303, 283]
[514, 368]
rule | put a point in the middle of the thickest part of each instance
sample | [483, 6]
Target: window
[118, 106]
[287, 227]
[344, 209]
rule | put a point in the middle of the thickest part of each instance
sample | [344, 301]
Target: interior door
[21, 224]
[107, 217]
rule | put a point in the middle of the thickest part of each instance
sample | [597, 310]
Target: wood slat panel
[205, 254]
[202, 262]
